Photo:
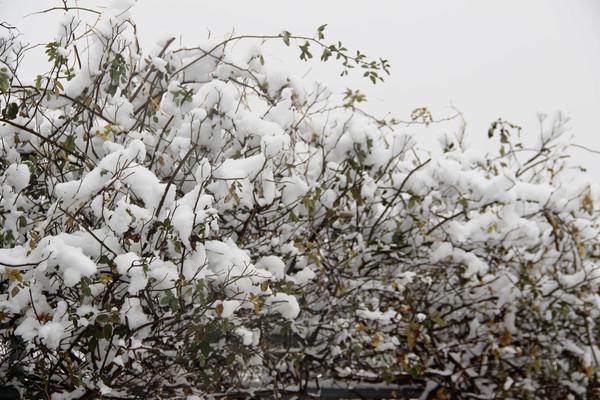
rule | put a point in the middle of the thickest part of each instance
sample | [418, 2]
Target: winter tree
[197, 223]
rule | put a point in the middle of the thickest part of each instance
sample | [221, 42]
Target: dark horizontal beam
[400, 392]
[9, 393]
[332, 391]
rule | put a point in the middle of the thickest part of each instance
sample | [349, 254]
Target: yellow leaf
[256, 301]
[581, 249]
[219, 309]
[35, 238]
[105, 278]
[57, 87]
[440, 394]
[14, 274]
[44, 317]
[264, 286]
[506, 337]
[154, 104]
[70, 222]
[376, 340]
[587, 202]
[412, 333]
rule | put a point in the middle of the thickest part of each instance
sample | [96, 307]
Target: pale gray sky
[490, 59]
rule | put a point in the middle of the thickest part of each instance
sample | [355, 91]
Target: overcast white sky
[490, 59]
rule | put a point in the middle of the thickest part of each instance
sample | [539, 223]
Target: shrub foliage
[192, 221]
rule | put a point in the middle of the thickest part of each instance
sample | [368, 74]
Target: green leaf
[102, 318]
[4, 80]
[11, 111]
[309, 203]
[85, 286]
[166, 299]
[414, 200]
[412, 330]
[434, 315]
[320, 31]
[414, 372]
[305, 54]
[205, 348]
[69, 143]
[326, 54]
[8, 237]
[107, 331]
[286, 37]
[492, 129]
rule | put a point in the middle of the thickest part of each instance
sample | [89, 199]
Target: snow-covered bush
[193, 221]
